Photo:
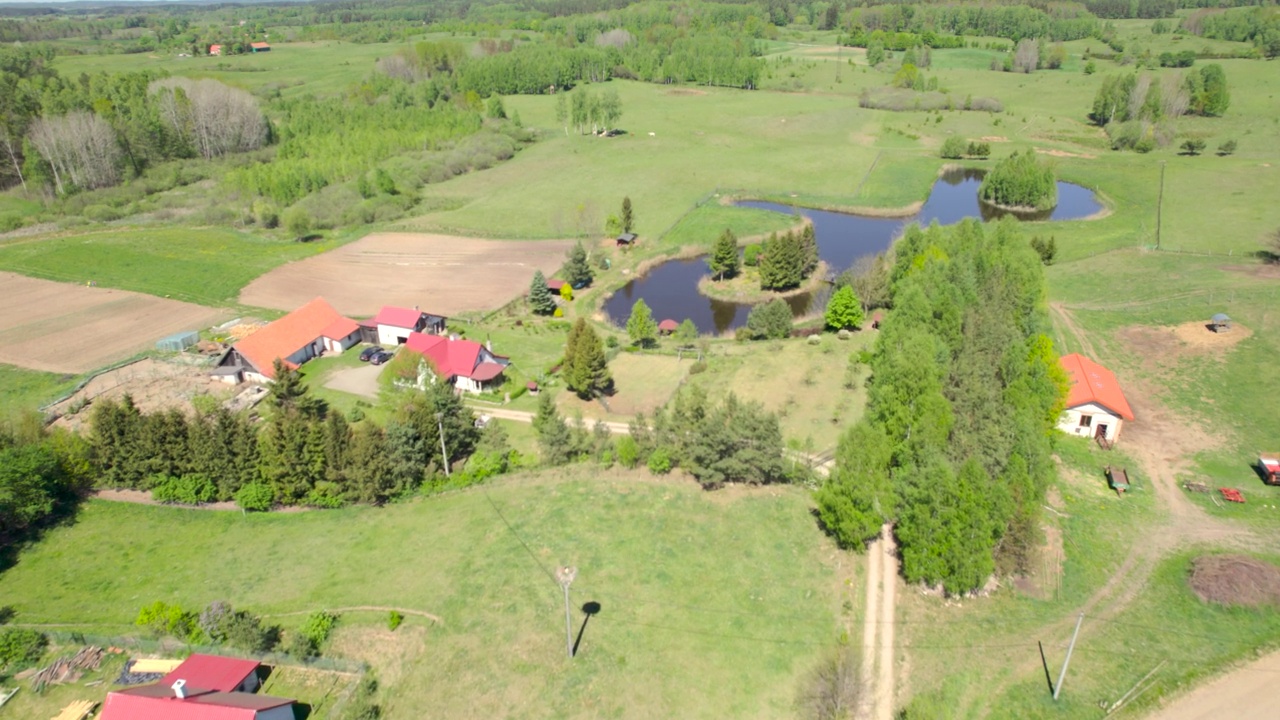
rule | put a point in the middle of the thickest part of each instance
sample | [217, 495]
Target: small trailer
[1118, 478]
[1269, 464]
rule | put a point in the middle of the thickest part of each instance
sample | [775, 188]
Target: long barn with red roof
[1096, 407]
[294, 339]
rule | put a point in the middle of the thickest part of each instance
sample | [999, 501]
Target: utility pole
[1160, 204]
[1063, 675]
[565, 576]
[443, 453]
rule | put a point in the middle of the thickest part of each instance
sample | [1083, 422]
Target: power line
[545, 570]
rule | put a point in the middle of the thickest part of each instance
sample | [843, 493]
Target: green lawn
[713, 605]
[25, 390]
[202, 265]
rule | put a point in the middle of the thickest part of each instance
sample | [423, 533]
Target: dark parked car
[381, 357]
[369, 352]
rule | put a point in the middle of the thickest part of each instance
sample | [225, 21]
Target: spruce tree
[687, 334]
[576, 271]
[585, 370]
[540, 300]
[554, 438]
[809, 249]
[782, 264]
[628, 217]
[640, 326]
[724, 258]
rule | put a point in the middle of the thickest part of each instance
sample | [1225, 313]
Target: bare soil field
[153, 384]
[439, 273]
[1247, 693]
[59, 327]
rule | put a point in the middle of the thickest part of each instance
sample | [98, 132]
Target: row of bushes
[221, 624]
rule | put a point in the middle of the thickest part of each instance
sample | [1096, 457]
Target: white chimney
[180, 689]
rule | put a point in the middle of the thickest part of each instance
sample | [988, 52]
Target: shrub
[1193, 147]
[1226, 148]
[751, 255]
[1046, 249]
[659, 462]
[772, 320]
[953, 148]
[256, 497]
[10, 222]
[101, 213]
[394, 619]
[297, 645]
[628, 451]
[319, 626]
[163, 619]
[245, 631]
[192, 489]
[20, 648]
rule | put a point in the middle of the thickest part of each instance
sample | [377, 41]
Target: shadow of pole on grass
[590, 608]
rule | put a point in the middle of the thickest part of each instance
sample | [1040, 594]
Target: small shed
[1220, 323]
[178, 341]
[626, 239]
[668, 326]
[259, 47]
[555, 285]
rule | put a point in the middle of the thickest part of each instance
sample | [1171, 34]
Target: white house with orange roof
[1096, 407]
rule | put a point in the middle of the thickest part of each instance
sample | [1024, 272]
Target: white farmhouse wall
[333, 345]
[389, 335]
[466, 384]
[1070, 421]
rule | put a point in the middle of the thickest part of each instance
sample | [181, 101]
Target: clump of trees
[965, 390]
[787, 260]
[586, 111]
[955, 147]
[304, 454]
[1020, 181]
[214, 118]
[716, 442]
[1137, 110]
[43, 475]
[768, 321]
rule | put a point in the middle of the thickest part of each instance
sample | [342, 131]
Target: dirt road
[1248, 693]
[878, 670]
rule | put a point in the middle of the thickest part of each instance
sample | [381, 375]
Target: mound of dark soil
[1235, 580]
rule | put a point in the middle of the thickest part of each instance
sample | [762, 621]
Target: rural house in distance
[295, 338]
[1096, 407]
[467, 364]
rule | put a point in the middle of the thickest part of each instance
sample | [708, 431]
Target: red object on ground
[1231, 494]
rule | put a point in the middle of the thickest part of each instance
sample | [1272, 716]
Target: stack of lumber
[68, 669]
[158, 666]
[77, 710]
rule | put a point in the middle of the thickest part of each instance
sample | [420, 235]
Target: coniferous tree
[641, 327]
[369, 471]
[554, 439]
[723, 262]
[770, 321]
[686, 334]
[628, 216]
[540, 300]
[808, 240]
[586, 371]
[577, 272]
[782, 263]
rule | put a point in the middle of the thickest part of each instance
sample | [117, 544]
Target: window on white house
[1086, 420]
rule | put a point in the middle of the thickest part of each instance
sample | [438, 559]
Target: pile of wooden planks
[68, 669]
[77, 710]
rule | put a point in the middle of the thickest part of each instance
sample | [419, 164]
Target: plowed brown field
[439, 273]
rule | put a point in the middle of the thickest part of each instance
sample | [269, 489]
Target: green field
[202, 265]
[734, 588]
[24, 390]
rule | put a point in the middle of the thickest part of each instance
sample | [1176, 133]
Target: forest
[965, 391]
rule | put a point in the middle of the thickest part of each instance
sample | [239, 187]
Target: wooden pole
[1063, 675]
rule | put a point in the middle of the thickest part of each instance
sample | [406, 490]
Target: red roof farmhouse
[469, 365]
[295, 338]
[1095, 405]
[203, 687]
[395, 324]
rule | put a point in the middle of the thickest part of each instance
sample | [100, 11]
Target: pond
[671, 289]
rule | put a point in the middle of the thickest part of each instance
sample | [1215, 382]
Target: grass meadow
[24, 390]
[207, 266]
[713, 604]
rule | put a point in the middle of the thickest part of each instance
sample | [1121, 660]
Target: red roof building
[1096, 407]
[158, 702]
[295, 338]
[467, 364]
[395, 324]
[214, 672]
[259, 47]
[668, 326]
[215, 49]
[203, 687]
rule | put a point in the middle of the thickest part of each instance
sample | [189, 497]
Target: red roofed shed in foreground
[159, 702]
[1096, 407]
[214, 672]
[295, 338]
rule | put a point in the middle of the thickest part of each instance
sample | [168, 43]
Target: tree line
[965, 390]
[43, 475]
[1137, 110]
[304, 453]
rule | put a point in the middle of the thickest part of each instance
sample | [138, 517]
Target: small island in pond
[1020, 182]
